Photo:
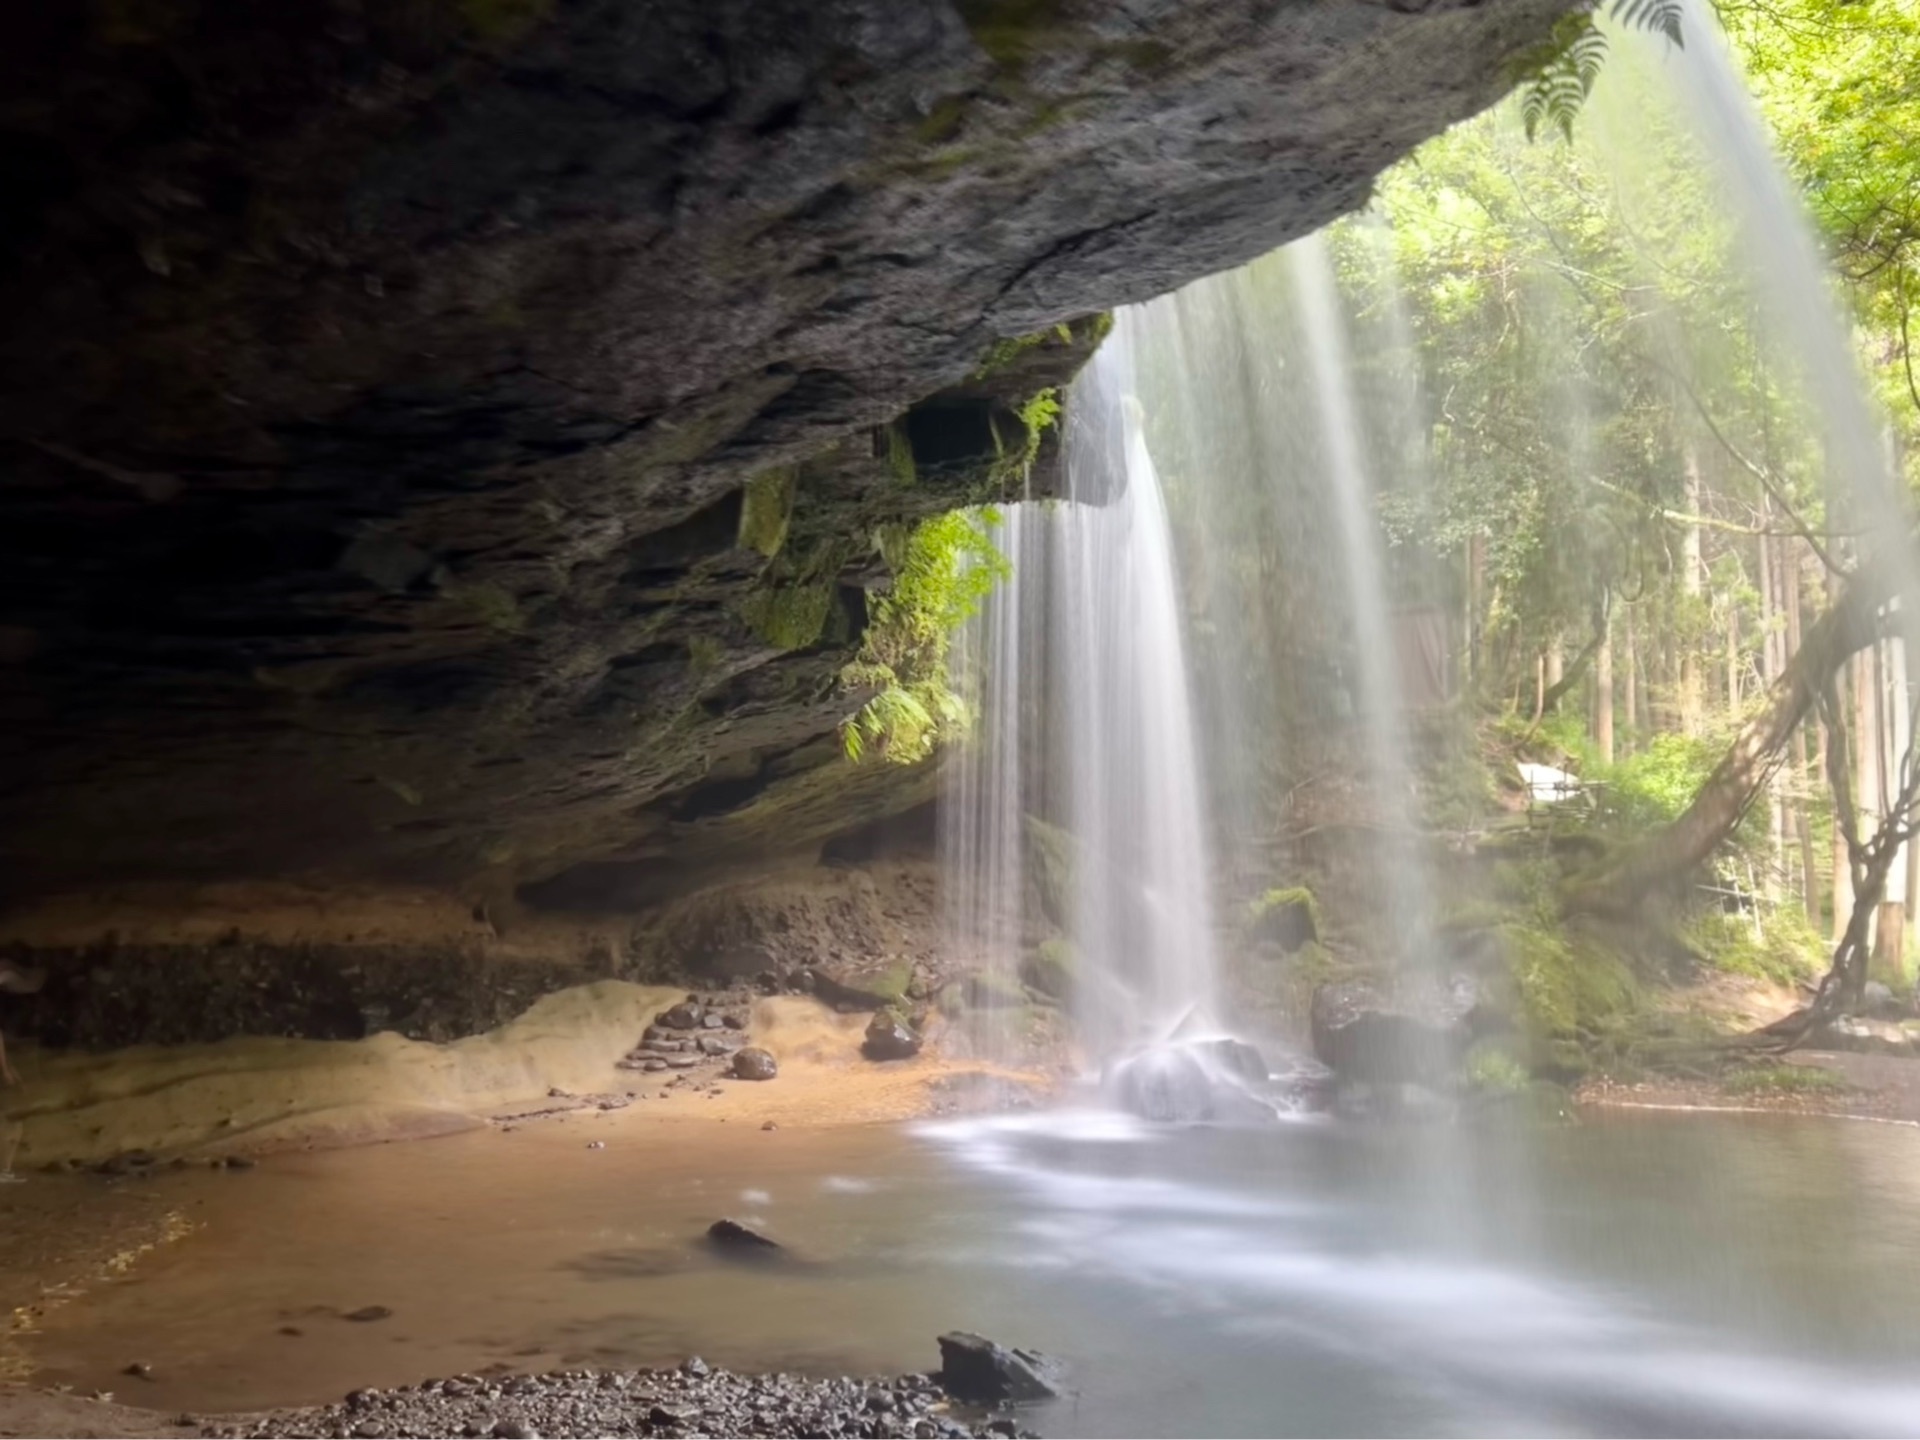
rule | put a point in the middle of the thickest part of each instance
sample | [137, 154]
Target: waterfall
[1159, 700]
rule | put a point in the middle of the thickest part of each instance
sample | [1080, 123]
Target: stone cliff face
[446, 440]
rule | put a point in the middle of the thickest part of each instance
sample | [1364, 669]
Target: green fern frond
[1658, 15]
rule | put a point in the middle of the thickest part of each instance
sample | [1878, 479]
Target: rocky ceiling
[393, 394]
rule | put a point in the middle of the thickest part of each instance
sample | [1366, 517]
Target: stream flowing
[1626, 1275]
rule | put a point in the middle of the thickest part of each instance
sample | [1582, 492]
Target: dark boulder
[684, 1016]
[1416, 1034]
[732, 1238]
[975, 1370]
[1191, 1082]
[1234, 1057]
[890, 1038]
[753, 1063]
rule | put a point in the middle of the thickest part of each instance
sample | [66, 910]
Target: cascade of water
[1143, 914]
[1382, 704]
[1076, 806]
[1791, 275]
[1139, 703]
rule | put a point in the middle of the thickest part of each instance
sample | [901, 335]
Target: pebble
[693, 1399]
[596, 1144]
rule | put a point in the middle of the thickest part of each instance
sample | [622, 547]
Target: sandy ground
[260, 1096]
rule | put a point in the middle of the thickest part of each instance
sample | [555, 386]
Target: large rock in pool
[975, 1370]
[1193, 1081]
[1417, 1034]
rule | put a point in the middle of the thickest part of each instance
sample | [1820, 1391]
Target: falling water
[1153, 694]
[1382, 705]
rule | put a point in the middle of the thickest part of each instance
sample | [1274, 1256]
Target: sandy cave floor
[52, 1251]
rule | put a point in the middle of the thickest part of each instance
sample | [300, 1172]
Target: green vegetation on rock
[942, 570]
[766, 505]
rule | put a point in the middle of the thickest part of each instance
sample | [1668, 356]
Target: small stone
[682, 1062]
[239, 1162]
[654, 1064]
[734, 1020]
[291, 1330]
[714, 1045]
[660, 1415]
[888, 1037]
[711, 1021]
[695, 1367]
[769, 1126]
[367, 1314]
[140, 1370]
[596, 1144]
[754, 1063]
[513, 1430]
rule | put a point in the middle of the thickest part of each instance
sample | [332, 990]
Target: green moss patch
[1049, 968]
[766, 507]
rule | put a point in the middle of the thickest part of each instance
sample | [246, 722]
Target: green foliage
[1769, 1079]
[1491, 1070]
[1563, 75]
[942, 570]
[1011, 467]
[1560, 72]
[1653, 786]
[1785, 950]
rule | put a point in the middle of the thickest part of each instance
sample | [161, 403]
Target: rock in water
[754, 1063]
[890, 1038]
[1235, 1057]
[1418, 1036]
[1168, 1084]
[733, 1238]
[974, 1369]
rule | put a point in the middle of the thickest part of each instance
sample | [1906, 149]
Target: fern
[1557, 75]
[1660, 15]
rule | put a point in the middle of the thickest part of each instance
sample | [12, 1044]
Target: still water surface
[1629, 1274]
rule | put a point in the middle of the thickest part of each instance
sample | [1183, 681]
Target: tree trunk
[1802, 821]
[1677, 850]
[1833, 733]
[1603, 695]
[1630, 682]
[1691, 587]
[1772, 661]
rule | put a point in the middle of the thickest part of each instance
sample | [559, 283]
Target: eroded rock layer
[448, 440]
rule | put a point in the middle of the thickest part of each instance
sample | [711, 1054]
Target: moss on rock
[766, 505]
[1050, 967]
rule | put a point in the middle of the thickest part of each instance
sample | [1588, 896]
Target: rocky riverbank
[695, 1399]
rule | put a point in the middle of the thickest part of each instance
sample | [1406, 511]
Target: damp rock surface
[461, 420]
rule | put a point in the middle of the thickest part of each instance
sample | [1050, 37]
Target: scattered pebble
[140, 1370]
[596, 1144]
[367, 1313]
[693, 1399]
